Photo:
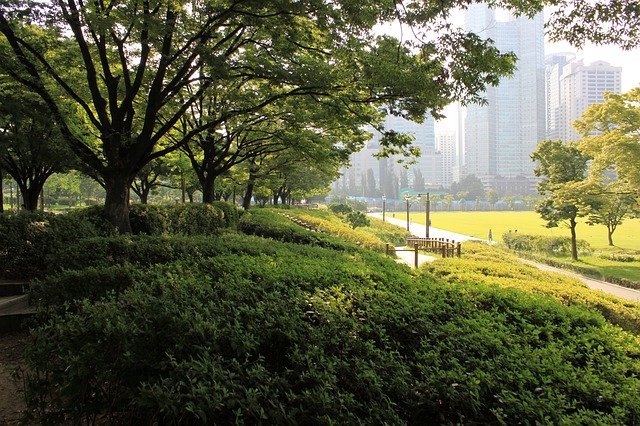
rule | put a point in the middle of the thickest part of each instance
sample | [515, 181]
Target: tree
[471, 184]
[600, 22]
[418, 181]
[137, 60]
[560, 165]
[611, 135]
[150, 177]
[31, 146]
[492, 197]
[606, 204]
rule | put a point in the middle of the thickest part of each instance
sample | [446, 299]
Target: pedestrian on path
[490, 235]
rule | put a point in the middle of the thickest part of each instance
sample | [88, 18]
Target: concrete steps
[14, 305]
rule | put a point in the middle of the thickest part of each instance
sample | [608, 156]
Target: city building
[446, 145]
[572, 87]
[501, 135]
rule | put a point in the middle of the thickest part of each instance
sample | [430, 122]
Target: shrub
[340, 208]
[543, 244]
[148, 219]
[230, 212]
[69, 287]
[195, 219]
[484, 264]
[362, 345]
[356, 219]
[331, 224]
[620, 256]
[269, 224]
[29, 237]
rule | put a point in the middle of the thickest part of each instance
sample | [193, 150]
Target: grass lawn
[477, 224]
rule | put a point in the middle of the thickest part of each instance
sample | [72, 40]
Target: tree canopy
[611, 135]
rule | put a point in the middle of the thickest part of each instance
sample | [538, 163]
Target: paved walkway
[419, 230]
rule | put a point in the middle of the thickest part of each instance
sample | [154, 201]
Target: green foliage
[329, 223]
[357, 219]
[195, 219]
[484, 264]
[340, 208]
[29, 237]
[621, 256]
[270, 224]
[538, 243]
[306, 335]
[148, 219]
[230, 212]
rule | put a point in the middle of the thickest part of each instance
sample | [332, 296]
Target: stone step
[13, 288]
[12, 304]
[14, 311]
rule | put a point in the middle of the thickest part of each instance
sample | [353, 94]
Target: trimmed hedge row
[31, 239]
[543, 244]
[269, 223]
[484, 264]
[307, 335]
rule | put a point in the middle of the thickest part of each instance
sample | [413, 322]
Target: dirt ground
[11, 395]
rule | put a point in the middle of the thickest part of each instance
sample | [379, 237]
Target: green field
[477, 224]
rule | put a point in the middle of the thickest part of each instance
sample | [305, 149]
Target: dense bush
[543, 244]
[306, 335]
[29, 237]
[149, 219]
[271, 224]
[621, 256]
[484, 264]
[329, 223]
[195, 219]
[340, 208]
[230, 212]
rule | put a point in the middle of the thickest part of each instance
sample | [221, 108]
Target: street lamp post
[407, 199]
[427, 212]
[384, 205]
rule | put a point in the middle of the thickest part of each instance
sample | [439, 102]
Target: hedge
[325, 337]
[484, 264]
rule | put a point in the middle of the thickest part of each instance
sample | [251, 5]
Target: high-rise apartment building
[554, 64]
[446, 145]
[500, 136]
[571, 87]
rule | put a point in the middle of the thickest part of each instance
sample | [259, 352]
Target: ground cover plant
[485, 264]
[374, 236]
[235, 328]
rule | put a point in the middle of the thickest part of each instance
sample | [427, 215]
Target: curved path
[419, 230]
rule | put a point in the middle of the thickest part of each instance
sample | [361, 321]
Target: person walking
[490, 235]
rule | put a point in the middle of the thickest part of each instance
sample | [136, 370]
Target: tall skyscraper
[500, 136]
[446, 145]
[574, 87]
[554, 64]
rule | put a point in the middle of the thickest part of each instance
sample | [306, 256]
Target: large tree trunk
[1, 193]
[574, 245]
[30, 194]
[248, 193]
[208, 188]
[116, 204]
[610, 235]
